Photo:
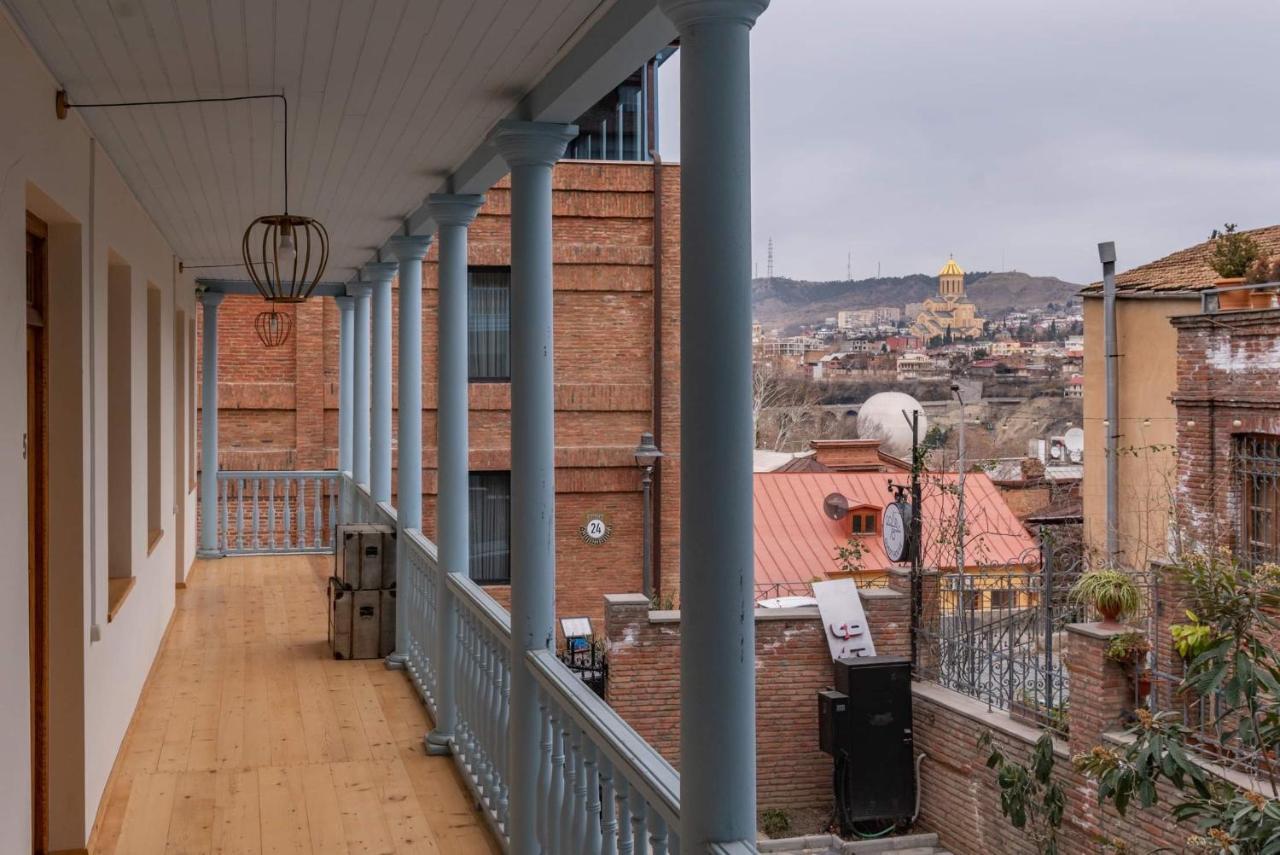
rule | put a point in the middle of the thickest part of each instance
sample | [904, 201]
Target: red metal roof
[795, 541]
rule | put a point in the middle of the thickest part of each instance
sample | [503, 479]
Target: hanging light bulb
[286, 249]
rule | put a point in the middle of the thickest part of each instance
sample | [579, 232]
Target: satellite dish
[1073, 439]
[1055, 451]
[835, 506]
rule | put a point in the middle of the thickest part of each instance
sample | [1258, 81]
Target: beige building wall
[1147, 376]
[45, 168]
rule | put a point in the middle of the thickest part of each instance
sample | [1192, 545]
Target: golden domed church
[949, 310]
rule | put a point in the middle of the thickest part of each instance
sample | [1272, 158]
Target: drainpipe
[1107, 255]
[651, 124]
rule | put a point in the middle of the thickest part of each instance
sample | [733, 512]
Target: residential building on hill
[950, 312]
[1147, 297]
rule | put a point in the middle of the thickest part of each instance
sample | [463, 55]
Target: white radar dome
[881, 417]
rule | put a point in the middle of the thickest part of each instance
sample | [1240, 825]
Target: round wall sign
[897, 528]
[595, 529]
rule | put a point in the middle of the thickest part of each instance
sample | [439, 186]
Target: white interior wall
[45, 167]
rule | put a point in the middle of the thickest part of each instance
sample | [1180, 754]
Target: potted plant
[1263, 271]
[1129, 649]
[1230, 257]
[1109, 591]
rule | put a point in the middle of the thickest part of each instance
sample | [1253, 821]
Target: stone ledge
[625, 600]
[978, 712]
[1100, 630]
[1239, 779]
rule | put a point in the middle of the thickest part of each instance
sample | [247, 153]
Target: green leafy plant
[1234, 666]
[1111, 592]
[1232, 252]
[775, 823]
[1193, 638]
[1031, 798]
[662, 603]
[1128, 647]
[849, 556]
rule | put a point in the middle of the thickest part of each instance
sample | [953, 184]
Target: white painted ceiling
[385, 98]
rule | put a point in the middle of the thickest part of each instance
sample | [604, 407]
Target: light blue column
[210, 300]
[380, 273]
[717, 570]
[409, 250]
[346, 372]
[362, 292]
[453, 214]
[530, 149]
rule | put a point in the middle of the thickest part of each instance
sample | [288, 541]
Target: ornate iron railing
[276, 511]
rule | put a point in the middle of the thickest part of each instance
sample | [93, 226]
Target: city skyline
[1014, 136]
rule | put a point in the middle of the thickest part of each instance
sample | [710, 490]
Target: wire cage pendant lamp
[273, 327]
[285, 254]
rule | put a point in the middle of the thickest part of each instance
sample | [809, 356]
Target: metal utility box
[366, 556]
[871, 738]
[366, 628]
[340, 611]
[833, 720]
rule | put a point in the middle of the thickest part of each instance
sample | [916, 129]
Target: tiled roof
[796, 542]
[1185, 271]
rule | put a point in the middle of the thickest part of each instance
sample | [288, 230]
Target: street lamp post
[647, 455]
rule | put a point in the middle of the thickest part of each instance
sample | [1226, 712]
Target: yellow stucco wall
[1147, 376]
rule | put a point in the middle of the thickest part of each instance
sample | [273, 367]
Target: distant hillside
[782, 302]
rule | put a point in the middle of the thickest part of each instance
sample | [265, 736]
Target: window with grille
[1257, 468]
[489, 324]
[490, 528]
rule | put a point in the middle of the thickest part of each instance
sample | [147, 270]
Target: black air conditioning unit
[865, 724]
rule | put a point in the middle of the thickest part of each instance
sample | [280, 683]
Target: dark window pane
[1257, 465]
[490, 527]
[489, 323]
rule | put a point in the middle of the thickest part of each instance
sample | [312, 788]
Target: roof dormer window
[863, 521]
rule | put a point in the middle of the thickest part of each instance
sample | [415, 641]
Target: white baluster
[608, 818]
[271, 513]
[256, 545]
[625, 842]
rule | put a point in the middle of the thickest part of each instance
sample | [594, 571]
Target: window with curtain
[490, 528]
[489, 324]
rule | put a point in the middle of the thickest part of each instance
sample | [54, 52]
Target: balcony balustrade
[600, 788]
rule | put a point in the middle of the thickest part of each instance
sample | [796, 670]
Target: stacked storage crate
[362, 593]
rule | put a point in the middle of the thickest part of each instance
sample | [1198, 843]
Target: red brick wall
[792, 664]
[1228, 384]
[278, 408]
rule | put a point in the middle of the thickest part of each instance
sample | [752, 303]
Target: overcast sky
[1013, 133]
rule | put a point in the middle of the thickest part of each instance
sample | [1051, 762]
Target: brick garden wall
[959, 799]
[792, 664]
[278, 408]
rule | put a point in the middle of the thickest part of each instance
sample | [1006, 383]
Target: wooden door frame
[36, 452]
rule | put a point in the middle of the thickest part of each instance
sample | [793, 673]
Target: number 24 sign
[595, 529]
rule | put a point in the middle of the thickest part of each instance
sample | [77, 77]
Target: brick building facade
[1228, 429]
[617, 274]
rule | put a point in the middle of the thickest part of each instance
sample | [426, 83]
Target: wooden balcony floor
[250, 738]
